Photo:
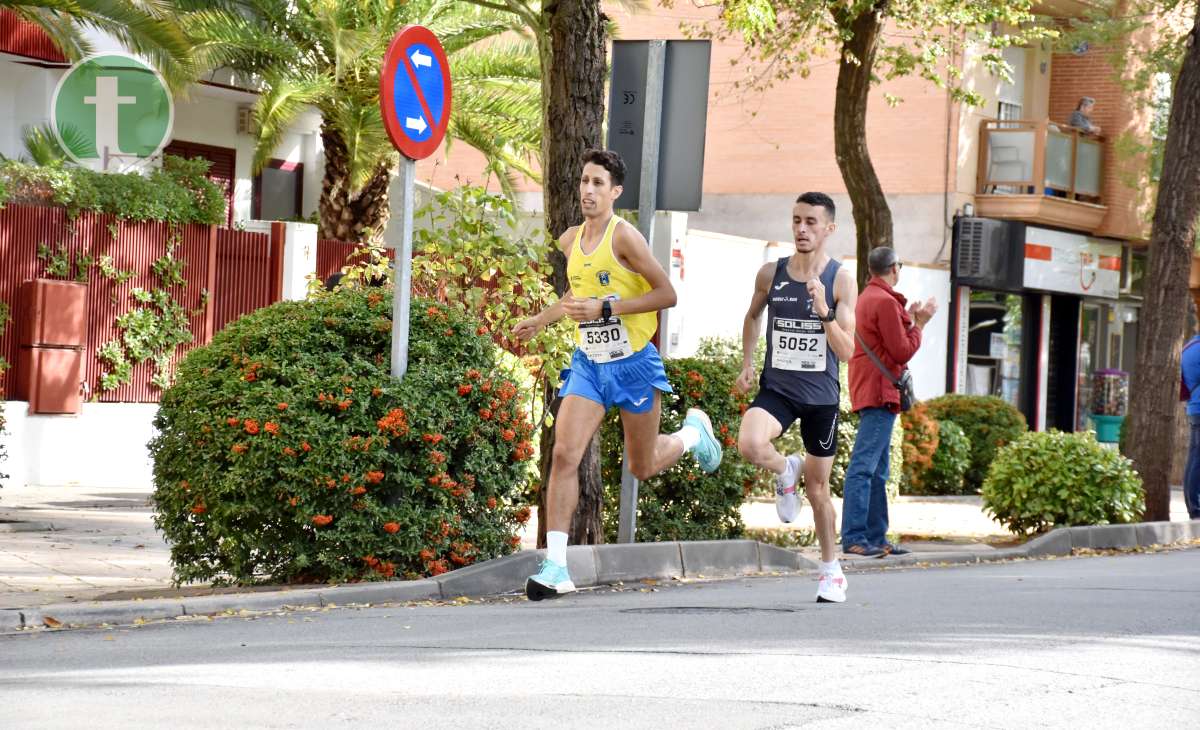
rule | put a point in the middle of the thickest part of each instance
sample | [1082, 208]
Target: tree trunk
[346, 215]
[872, 217]
[573, 62]
[1156, 382]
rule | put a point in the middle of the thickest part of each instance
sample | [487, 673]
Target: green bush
[1044, 480]
[684, 503]
[286, 452]
[178, 193]
[949, 463]
[989, 424]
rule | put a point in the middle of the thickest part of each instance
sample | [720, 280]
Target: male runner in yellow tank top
[617, 290]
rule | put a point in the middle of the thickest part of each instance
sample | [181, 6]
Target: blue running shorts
[628, 384]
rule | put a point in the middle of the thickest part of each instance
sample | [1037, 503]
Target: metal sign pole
[647, 202]
[402, 291]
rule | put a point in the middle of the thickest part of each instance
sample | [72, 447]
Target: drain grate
[708, 609]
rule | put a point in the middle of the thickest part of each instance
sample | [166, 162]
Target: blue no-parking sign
[414, 92]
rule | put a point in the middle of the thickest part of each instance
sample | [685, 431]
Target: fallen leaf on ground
[51, 622]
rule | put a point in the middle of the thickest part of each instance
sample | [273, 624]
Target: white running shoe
[787, 498]
[831, 588]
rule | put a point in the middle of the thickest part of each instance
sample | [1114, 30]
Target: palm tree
[326, 54]
[145, 27]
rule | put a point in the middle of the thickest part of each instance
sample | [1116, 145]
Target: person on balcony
[1081, 118]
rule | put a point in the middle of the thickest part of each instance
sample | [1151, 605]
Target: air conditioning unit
[246, 124]
[988, 254]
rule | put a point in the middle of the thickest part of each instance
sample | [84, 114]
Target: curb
[1058, 542]
[590, 565]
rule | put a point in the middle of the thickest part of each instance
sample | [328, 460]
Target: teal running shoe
[552, 581]
[708, 451]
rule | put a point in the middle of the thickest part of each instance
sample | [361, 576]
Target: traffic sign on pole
[414, 92]
[415, 101]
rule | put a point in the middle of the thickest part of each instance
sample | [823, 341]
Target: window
[279, 191]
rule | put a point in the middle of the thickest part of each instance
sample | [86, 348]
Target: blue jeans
[1191, 475]
[864, 495]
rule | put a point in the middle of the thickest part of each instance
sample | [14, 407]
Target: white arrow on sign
[417, 124]
[420, 59]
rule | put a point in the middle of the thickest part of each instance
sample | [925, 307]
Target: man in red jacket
[894, 334]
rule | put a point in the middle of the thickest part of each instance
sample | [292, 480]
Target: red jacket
[883, 322]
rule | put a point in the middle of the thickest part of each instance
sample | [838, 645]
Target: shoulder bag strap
[875, 359]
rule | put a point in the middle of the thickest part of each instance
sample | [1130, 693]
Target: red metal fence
[246, 274]
[240, 270]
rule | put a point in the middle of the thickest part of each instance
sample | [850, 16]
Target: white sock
[556, 547]
[689, 435]
[832, 568]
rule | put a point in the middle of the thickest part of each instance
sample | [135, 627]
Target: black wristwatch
[606, 310]
[832, 315]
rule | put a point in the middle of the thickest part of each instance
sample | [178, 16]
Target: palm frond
[282, 101]
[367, 143]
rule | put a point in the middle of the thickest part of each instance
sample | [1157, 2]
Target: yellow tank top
[602, 276]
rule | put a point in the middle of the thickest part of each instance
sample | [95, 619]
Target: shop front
[1036, 313]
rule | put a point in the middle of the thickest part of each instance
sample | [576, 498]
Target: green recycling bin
[1108, 428]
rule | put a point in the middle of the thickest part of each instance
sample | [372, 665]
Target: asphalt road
[1109, 642]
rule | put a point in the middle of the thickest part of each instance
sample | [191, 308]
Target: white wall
[918, 283]
[104, 446]
[25, 93]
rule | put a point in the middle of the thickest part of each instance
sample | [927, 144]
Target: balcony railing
[1039, 158]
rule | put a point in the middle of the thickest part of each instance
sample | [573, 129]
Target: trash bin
[1110, 404]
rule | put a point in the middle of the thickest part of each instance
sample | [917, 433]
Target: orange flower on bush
[436, 479]
[305, 447]
[481, 330]
[251, 426]
[491, 502]
[373, 299]
[426, 556]
[343, 405]
[199, 508]
[522, 515]
[523, 451]
[486, 387]
[433, 311]
[374, 477]
[515, 541]
[282, 406]
[250, 377]
[289, 451]
[432, 438]
[235, 422]
[271, 427]
[238, 448]
[508, 434]
[437, 457]
[485, 414]
[395, 423]
[294, 501]
[730, 441]
[438, 567]
[322, 520]
[358, 491]
[376, 392]
[724, 430]
[391, 528]
[464, 389]
[473, 374]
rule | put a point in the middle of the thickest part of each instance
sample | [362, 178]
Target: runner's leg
[759, 428]
[816, 488]
[649, 451]
[578, 418]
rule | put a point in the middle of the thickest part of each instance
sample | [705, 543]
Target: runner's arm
[632, 252]
[526, 329]
[752, 324]
[841, 329]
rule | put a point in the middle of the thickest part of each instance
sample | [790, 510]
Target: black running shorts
[818, 424]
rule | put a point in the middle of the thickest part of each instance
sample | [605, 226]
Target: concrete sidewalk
[76, 543]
